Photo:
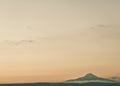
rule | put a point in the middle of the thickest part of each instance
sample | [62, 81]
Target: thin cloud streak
[106, 31]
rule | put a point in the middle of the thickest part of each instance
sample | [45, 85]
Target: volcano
[90, 78]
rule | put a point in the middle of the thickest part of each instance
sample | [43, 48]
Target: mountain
[90, 78]
[115, 78]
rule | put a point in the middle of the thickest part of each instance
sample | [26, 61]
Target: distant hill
[115, 78]
[90, 78]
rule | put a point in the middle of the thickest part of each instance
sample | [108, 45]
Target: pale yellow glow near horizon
[55, 40]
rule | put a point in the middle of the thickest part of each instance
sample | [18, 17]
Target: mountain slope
[115, 78]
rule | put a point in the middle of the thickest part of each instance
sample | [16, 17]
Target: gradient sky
[55, 40]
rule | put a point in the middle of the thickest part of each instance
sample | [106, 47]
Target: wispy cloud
[24, 41]
[100, 26]
[18, 42]
[106, 31]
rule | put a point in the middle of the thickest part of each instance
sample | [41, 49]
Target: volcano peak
[90, 75]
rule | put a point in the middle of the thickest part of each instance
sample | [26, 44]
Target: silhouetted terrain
[64, 84]
[87, 80]
[91, 78]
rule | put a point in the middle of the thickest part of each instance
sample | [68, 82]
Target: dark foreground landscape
[64, 84]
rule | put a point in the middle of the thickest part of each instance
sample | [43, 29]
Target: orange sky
[55, 40]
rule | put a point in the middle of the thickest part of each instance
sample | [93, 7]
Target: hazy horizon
[55, 40]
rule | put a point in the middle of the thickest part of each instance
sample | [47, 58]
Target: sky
[56, 40]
